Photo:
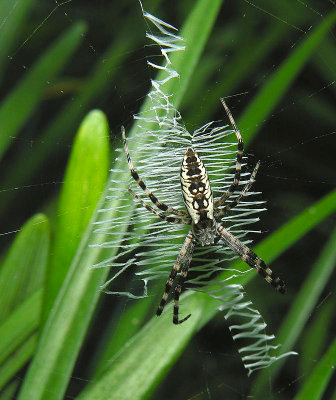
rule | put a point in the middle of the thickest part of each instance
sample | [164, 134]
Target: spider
[203, 213]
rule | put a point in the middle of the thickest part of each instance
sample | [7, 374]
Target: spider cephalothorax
[203, 213]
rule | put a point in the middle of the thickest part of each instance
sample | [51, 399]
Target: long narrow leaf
[302, 307]
[13, 364]
[23, 271]
[20, 324]
[319, 378]
[314, 337]
[84, 182]
[17, 107]
[14, 16]
[275, 88]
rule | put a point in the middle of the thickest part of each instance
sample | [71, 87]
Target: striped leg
[183, 260]
[184, 221]
[178, 289]
[251, 259]
[239, 159]
[243, 193]
[141, 183]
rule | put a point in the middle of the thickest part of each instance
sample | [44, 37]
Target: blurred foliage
[274, 62]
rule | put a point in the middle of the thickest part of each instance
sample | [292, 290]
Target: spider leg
[141, 183]
[183, 260]
[243, 193]
[251, 259]
[177, 292]
[185, 221]
[239, 159]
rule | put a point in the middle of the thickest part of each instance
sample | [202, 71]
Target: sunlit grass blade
[27, 262]
[185, 62]
[75, 303]
[125, 369]
[66, 326]
[318, 380]
[83, 185]
[22, 277]
[302, 307]
[19, 104]
[275, 87]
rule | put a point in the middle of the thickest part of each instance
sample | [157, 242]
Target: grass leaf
[318, 380]
[84, 183]
[302, 307]
[20, 103]
[275, 87]
[26, 261]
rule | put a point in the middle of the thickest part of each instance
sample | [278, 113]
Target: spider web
[151, 245]
[296, 149]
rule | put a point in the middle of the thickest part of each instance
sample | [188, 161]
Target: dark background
[296, 146]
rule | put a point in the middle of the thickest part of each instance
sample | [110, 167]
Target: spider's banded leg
[141, 183]
[184, 221]
[239, 159]
[243, 193]
[183, 259]
[177, 292]
[251, 259]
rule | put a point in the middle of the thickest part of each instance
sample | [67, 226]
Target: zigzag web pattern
[151, 245]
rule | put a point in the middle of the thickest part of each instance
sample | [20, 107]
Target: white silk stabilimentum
[149, 246]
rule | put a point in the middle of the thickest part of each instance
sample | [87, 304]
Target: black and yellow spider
[203, 214]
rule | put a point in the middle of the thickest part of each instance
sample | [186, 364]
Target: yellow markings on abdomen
[196, 188]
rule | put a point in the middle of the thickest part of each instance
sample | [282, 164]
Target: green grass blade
[196, 32]
[22, 277]
[314, 337]
[83, 185]
[129, 323]
[276, 86]
[125, 369]
[317, 382]
[24, 320]
[24, 269]
[66, 326]
[8, 393]
[18, 106]
[13, 364]
[14, 16]
[301, 309]
[234, 72]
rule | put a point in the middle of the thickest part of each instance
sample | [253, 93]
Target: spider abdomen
[196, 190]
